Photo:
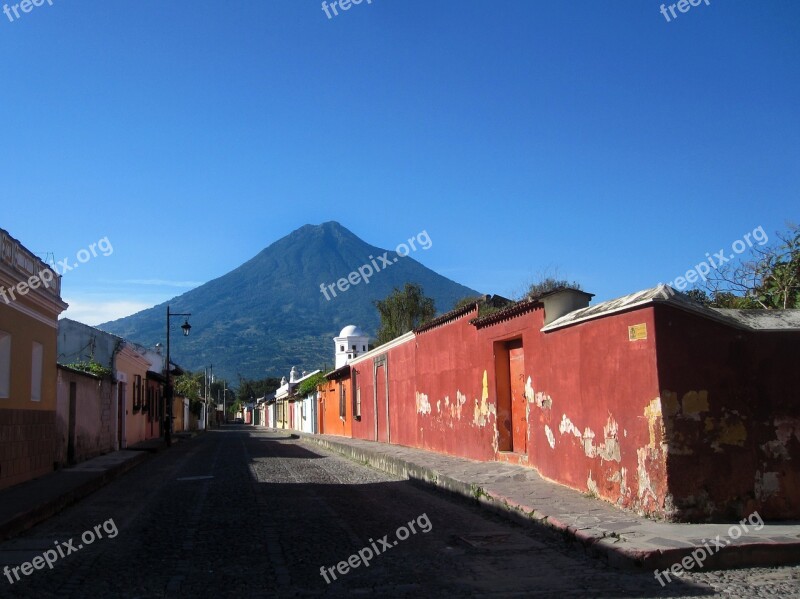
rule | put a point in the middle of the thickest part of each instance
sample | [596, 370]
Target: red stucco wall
[731, 402]
[592, 396]
[689, 419]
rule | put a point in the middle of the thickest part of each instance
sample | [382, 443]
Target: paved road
[240, 513]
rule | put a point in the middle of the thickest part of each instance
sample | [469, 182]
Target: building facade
[30, 303]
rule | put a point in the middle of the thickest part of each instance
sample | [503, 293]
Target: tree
[403, 310]
[249, 388]
[699, 296]
[235, 407]
[190, 386]
[187, 385]
[769, 279]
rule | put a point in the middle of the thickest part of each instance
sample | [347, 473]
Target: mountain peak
[269, 314]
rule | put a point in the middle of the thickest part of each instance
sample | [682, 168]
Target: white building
[350, 343]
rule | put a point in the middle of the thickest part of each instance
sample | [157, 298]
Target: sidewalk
[618, 536]
[26, 504]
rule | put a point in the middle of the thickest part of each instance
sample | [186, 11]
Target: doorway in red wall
[519, 408]
[512, 415]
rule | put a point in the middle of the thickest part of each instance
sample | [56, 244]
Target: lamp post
[186, 327]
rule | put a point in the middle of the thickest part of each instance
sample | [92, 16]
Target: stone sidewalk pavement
[621, 537]
[26, 504]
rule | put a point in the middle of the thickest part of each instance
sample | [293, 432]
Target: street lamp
[185, 327]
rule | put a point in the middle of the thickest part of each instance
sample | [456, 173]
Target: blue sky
[589, 137]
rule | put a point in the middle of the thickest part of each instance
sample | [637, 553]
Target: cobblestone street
[244, 513]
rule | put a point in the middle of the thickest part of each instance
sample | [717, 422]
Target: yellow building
[30, 303]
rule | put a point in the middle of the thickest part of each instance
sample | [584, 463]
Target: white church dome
[351, 331]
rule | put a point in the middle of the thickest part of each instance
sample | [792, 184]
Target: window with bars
[342, 401]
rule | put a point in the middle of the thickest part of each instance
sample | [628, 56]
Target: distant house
[135, 419]
[284, 404]
[30, 303]
[305, 407]
[335, 397]
[86, 425]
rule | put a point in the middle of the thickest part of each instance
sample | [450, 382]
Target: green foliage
[699, 296]
[780, 283]
[92, 367]
[250, 389]
[468, 301]
[548, 284]
[768, 278]
[310, 384]
[236, 406]
[486, 305]
[403, 310]
[187, 385]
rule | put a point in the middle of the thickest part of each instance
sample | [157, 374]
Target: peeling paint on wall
[455, 409]
[732, 432]
[621, 478]
[645, 485]
[669, 403]
[653, 414]
[610, 450]
[543, 400]
[566, 426]
[776, 450]
[588, 443]
[767, 484]
[423, 405]
[592, 485]
[481, 412]
[551, 438]
[785, 429]
[480, 415]
[529, 393]
[695, 403]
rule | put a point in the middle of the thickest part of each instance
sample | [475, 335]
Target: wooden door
[519, 404]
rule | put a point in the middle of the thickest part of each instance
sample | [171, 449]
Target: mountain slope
[268, 314]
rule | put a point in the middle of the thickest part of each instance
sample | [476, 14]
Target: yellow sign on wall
[637, 331]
